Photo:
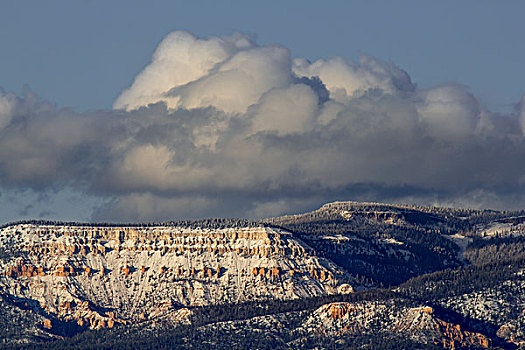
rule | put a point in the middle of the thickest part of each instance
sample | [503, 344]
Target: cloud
[7, 103]
[287, 110]
[449, 112]
[344, 79]
[229, 73]
[179, 59]
[225, 127]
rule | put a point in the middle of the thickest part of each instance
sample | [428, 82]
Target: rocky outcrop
[422, 320]
[84, 240]
[340, 310]
[24, 269]
[420, 324]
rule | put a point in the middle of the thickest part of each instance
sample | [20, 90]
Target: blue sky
[83, 53]
[424, 107]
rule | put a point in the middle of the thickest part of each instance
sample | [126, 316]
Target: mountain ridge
[65, 279]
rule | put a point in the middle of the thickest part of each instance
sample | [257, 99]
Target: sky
[133, 110]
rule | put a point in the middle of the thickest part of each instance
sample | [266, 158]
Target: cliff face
[102, 276]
